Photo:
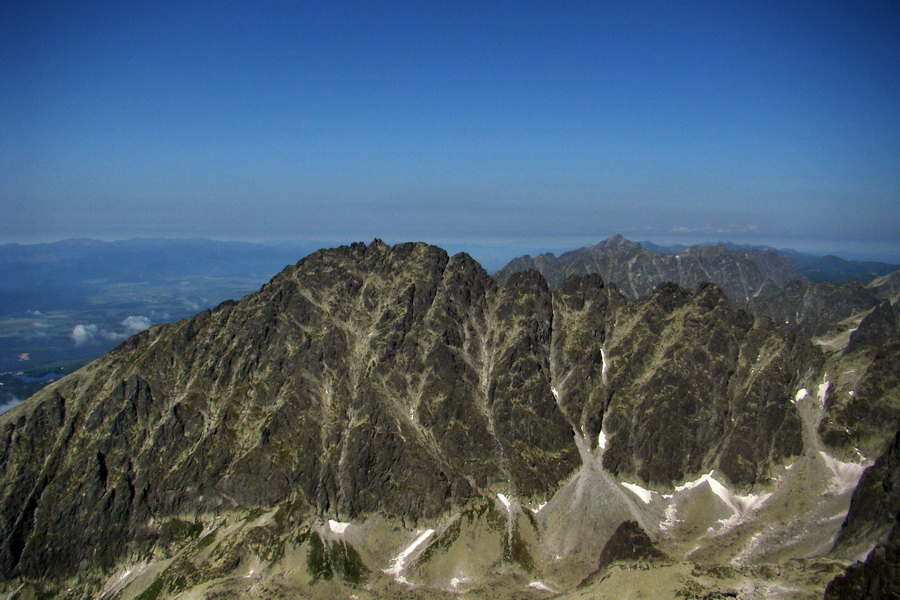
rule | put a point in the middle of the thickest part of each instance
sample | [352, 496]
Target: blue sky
[515, 125]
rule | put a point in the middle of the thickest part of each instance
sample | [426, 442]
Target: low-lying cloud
[84, 334]
[136, 324]
[91, 333]
[8, 402]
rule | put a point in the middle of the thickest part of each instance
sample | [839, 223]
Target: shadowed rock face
[876, 578]
[629, 543]
[863, 410]
[694, 385]
[743, 274]
[878, 328]
[875, 503]
[391, 380]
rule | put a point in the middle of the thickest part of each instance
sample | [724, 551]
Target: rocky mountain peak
[375, 408]
[617, 242]
[742, 274]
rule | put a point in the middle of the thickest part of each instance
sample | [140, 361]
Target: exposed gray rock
[743, 274]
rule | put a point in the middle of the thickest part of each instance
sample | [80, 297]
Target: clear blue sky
[523, 124]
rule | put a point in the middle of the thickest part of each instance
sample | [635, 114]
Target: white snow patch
[601, 440]
[671, 519]
[337, 527]
[845, 475]
[645, 495]
[823, 390]
[506, 501]
[555, 392]
[457, 581]
[540, 506]
[538, 585]
[790, 466]
[801, 394]
[605, 364]
[689, 485]
[399, 562]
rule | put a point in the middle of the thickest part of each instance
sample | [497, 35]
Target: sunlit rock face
[393, 415]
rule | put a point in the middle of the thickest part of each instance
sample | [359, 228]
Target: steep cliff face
[875, 505]
[399, 385]
[743, 274]
[863, 384]
[695, 385]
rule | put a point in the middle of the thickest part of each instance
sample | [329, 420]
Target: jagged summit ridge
[743, 274]
[403, 383]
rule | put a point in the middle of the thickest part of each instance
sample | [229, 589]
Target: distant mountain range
[811, 292]
[813, 266]
[744, 272]
[389, 421]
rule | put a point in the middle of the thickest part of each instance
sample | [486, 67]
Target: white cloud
[136, 323]
[89, 334]
[84, 334]
[8, 402]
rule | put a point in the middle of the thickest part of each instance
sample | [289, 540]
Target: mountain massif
[742, 274]
[390, 421]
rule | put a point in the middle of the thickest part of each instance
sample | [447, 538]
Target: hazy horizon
[495, 254]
